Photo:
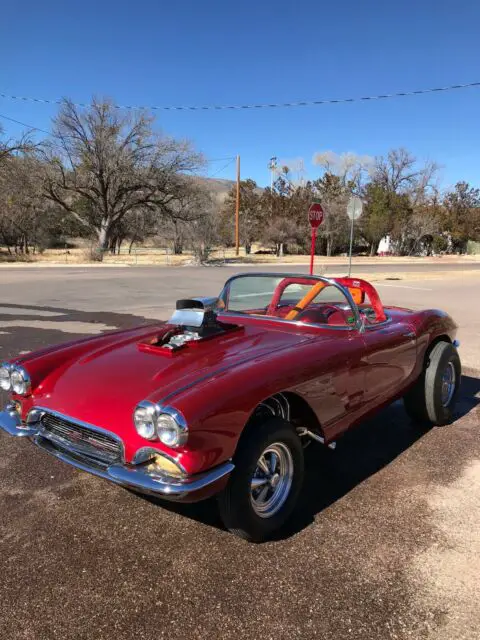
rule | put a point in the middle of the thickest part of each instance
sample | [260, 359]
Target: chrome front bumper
[136, 477]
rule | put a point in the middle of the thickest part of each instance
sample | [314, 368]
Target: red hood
[103, 386]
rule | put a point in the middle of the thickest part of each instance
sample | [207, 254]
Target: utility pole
[272, 165]
[237, 210]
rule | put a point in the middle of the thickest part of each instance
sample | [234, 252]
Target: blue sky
[211, 52]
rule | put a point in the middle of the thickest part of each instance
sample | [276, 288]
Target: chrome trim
[26, 377]
[11, 423]
[449, 383]
[193, 316]
[8, 366]
[133, 476]
[139, 479]
[146, 404]
[11, 367]
[272, 480]
[329, 281]
[80, 423]
[144, 454]
[147, 453]
[187, 317]
[303, 431]
[282, 409]
[179, 419]
[210, 303]
[298, 323]
[34, 416]
[158, 410]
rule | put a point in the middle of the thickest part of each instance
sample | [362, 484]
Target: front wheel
[433, 397]
[263, 488]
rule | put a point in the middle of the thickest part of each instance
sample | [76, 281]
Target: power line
[30, 126]
[303, 103]
[224, 167]
[24, 124]
[220, 159]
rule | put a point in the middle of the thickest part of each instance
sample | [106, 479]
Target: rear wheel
[263, 488]
[433, 397]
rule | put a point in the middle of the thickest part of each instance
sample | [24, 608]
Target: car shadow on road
[25, 328]
[331, 474]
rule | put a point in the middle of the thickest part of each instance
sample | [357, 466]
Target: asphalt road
[150, 292]
[384, 544]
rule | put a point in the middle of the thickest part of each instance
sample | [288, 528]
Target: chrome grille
[81, 439]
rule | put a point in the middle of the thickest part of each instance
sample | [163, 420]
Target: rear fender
[431, 326]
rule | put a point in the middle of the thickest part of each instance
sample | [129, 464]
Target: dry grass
[164, 257]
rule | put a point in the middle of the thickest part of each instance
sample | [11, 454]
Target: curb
[56, 265]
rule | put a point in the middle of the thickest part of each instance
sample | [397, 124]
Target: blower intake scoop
[198, 316]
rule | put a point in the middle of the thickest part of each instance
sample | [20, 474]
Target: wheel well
[286, 405]
[435, 341]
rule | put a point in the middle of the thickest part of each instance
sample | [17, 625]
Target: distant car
[222, 399]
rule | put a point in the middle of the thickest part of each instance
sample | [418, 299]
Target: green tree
[462, 215]
[376, 220]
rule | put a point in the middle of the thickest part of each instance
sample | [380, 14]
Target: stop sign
[315, 214]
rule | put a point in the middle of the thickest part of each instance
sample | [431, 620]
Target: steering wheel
[305, 301]
[326, 310]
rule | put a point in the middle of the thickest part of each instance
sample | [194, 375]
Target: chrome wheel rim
[272, 480]
[448, 384]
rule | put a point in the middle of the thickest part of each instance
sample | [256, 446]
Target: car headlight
[171, 429]
[5, 382]
[20, 381]
[164, 423]
[14, 378]
[145, 420]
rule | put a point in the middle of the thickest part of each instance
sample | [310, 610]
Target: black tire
[424, 402]
[235, 503]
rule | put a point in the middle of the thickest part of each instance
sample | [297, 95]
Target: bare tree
[250, 215]
[399, 172]
[114, 164]
[11, 147]
[351, 168]
[22, 205]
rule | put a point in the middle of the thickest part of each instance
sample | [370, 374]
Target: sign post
[354, 209]
[315, 218]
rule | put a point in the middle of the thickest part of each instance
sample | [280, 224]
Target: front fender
[218, 409]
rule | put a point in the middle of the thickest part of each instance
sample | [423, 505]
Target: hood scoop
[194, 320]
[198, 314]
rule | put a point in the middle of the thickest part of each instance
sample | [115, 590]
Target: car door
[389, 359]
[335, 388]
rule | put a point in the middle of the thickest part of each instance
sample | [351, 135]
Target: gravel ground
[384, 544]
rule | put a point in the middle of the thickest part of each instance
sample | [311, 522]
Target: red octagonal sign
[315, 214]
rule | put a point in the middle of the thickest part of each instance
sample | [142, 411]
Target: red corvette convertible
[223, 398]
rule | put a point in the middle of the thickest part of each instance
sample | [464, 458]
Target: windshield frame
[358, 324]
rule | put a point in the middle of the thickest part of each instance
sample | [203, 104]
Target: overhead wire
[24, 124]
[222, 168]
[31, 127]
[272, 105]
